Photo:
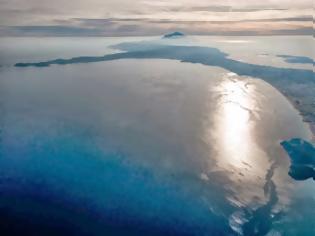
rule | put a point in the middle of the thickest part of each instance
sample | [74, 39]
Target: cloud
[142, 27]
[90, 21]
[226, 8]
[58, 30]
[139, 17]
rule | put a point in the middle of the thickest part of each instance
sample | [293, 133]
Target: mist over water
[146, 146]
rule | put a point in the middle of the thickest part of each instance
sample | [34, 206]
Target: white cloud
[47, 12]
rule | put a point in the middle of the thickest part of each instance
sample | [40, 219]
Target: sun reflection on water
[237, 112]
[235, 122]
[245, 149]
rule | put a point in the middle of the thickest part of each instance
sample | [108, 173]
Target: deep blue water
[78, 189]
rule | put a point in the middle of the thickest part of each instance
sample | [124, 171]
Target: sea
[150, 145]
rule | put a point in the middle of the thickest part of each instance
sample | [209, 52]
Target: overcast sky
[154, 17]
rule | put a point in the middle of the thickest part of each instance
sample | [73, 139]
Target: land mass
[297, 59]
[302, 155]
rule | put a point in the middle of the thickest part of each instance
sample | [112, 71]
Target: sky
[155, 17]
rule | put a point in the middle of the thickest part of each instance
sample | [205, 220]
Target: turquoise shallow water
[145, 146]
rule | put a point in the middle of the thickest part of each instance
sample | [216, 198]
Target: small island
[302, 155]
[174, 35]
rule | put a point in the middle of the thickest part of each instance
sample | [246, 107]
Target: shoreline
[305, 116]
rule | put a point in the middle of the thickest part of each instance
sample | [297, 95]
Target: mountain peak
[174, 35]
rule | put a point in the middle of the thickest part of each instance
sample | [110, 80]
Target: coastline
[307, 115]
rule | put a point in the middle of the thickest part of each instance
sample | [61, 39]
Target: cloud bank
[139, 17]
